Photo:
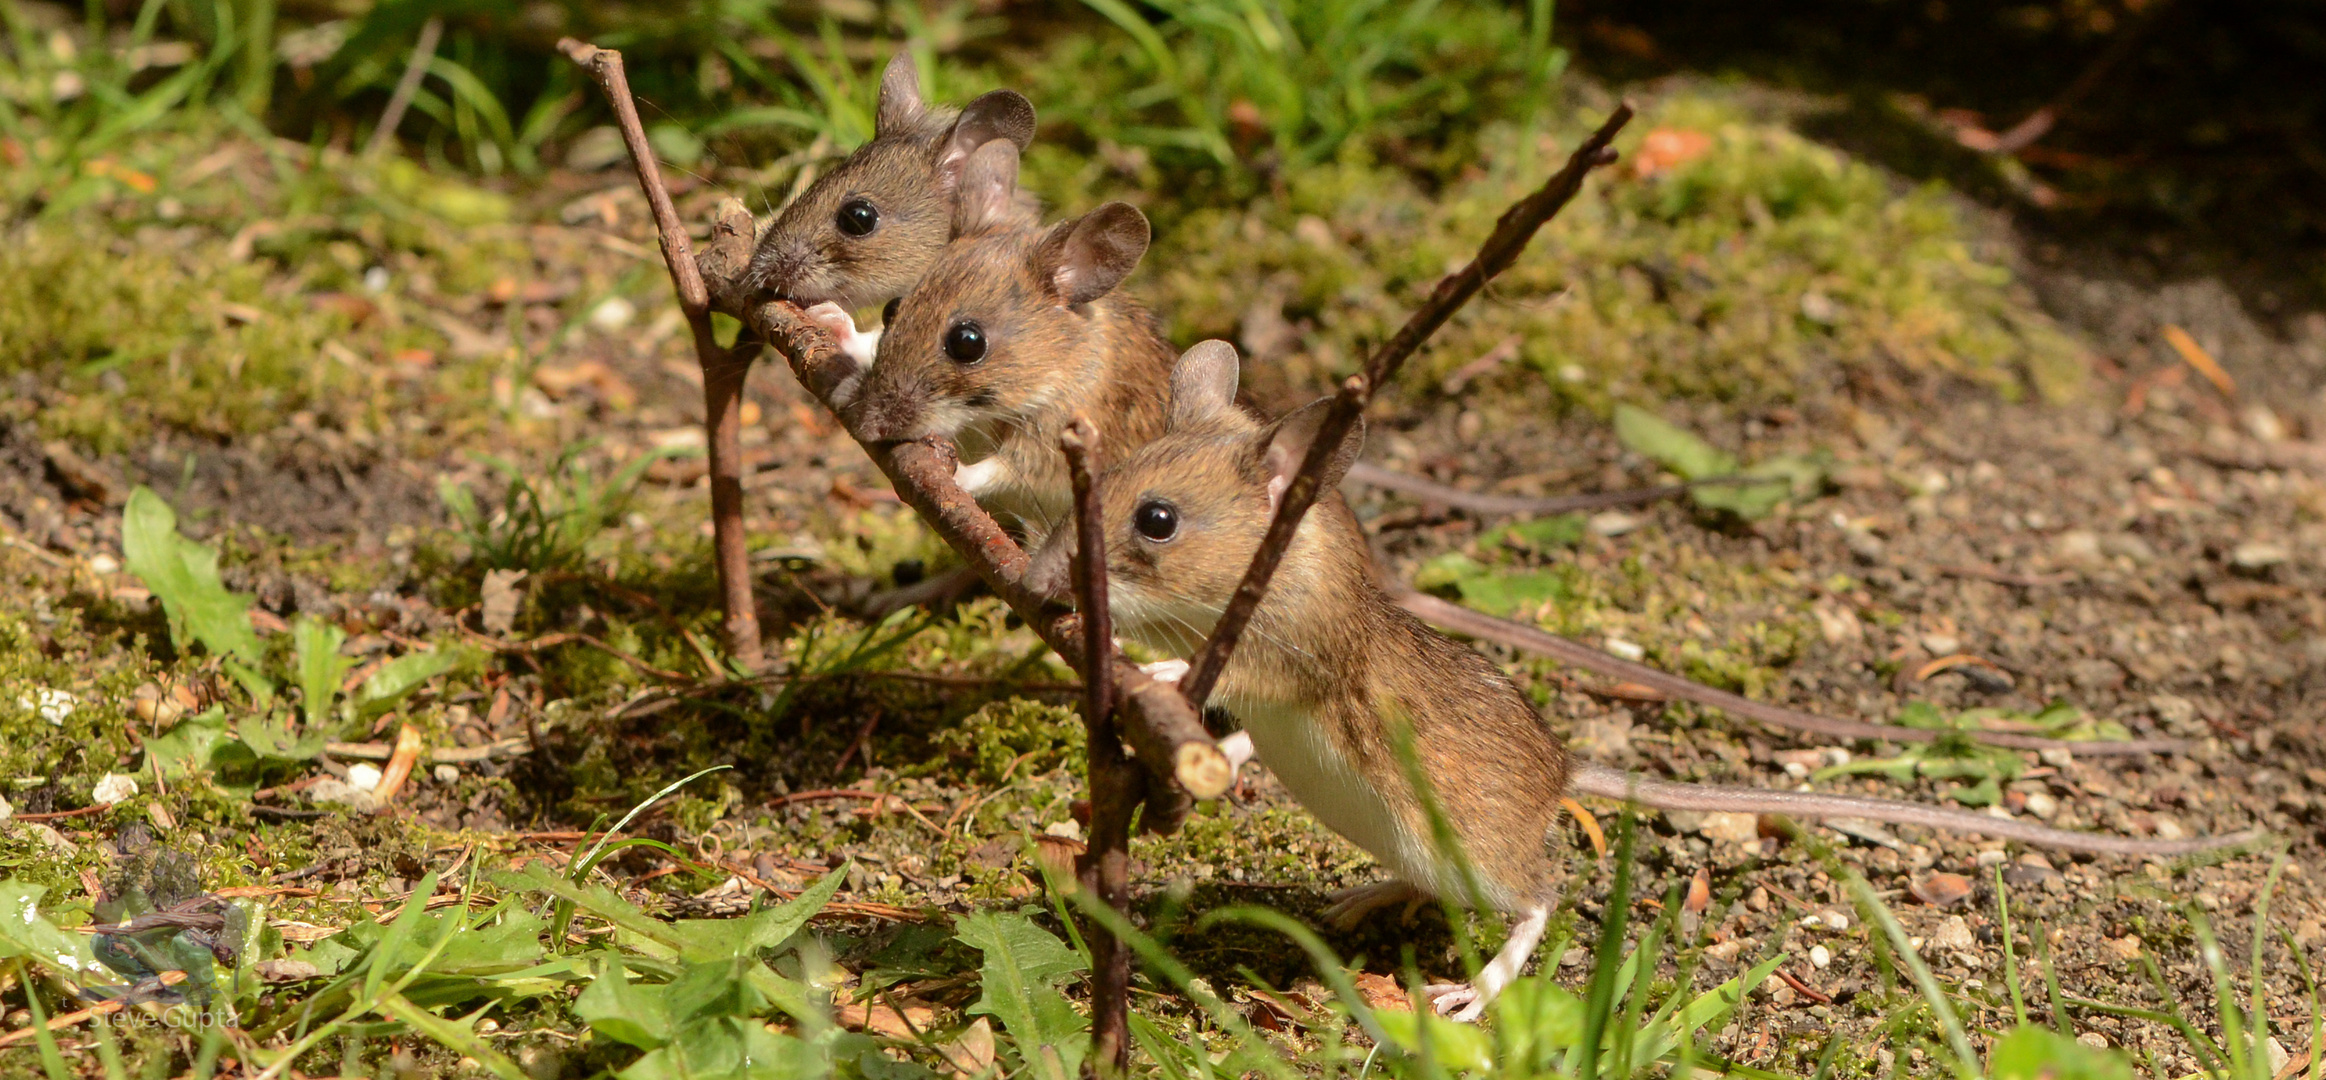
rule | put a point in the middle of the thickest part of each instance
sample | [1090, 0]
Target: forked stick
[1502, 247]
[724, 369]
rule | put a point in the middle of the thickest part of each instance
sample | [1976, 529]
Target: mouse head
[1002, 326]
[1184, 513]
[864, 231]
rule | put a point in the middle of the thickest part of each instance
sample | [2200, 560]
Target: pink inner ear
[1276, 486]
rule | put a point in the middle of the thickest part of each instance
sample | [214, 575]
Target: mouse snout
[884, 413]
[1050, 573]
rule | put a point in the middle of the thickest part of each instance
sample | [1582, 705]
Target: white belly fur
[1295, 747]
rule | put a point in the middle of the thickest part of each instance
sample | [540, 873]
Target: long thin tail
[1590, 779]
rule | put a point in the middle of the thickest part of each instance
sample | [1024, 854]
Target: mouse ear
[900, 96]
[1001, 114]
[989, 189]
[1084, 259]
[1204, 383]
[1287, 446]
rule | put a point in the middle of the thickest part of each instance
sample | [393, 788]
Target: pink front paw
[837, 322]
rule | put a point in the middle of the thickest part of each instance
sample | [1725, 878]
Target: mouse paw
[1170, 671]
[1459, 1002]
[1351, 906]
[836, 321]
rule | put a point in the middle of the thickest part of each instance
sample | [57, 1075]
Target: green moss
[1016, 738]
[1731, 275]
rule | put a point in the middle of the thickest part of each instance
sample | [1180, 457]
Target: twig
[1462, 620]
[2006, 577]
[2038, 123]
[1164, 727]
[415, 69]
[724, 369]
[1104, 867]
[1510, 237]
[407, 752]
[57, 814]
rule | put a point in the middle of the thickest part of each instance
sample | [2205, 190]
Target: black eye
[1156, 520]
[888, 313]
[858, 216]
[965, 342]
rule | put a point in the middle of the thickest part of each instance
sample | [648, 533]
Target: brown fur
[909, 172]
[1059, 342]
[1326, 645]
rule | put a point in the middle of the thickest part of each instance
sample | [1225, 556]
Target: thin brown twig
[1502, 247]
[724, 369]
[1104, 868]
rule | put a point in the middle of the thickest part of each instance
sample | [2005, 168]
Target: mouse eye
[965, 342]
[1156, 520]
[858, 217]
[888, 313]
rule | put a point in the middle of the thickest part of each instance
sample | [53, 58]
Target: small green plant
[183, 575]
[1779, 479]
[547, 524]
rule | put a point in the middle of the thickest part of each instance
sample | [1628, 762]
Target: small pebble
[2042, 805]
[1820, 956]
[114, 788]
[1626, 650]
[1613, 523]
[104, 564]
[363, 776]
[612, 313]
[2257, 556]
[1954, 935]
[446, 774]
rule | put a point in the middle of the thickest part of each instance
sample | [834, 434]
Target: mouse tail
[1599, 780]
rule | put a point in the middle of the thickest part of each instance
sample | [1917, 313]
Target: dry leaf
[971, 1054]
[500, 600]
[882, 1019]
[1942, 890]
[1382, 992]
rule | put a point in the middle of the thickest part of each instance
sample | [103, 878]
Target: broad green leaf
[1670, 446]
[1457, 1048]
[717, 988]
[460, 1035]
[401, 676]
[630, 1013]
[25, 932]
[1023, 965]
[188, 748]
[276, 735]
[315, 653]
[650, 935]
[2033, 1053]
[184, 576]
[703, 940]
[732, 1049]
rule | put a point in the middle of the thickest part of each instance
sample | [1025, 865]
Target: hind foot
[1352, 906]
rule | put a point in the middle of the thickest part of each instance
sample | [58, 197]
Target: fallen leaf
[1942, 890]
[560, 382]
[1699, 892]
[882, 1019]
[972, 1053]
[287, 971]
[501, 600]
[1382, 993]
[1668, 148]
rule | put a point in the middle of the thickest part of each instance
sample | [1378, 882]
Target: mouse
[863, 233]
[1333, 680]
[1011, 332]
